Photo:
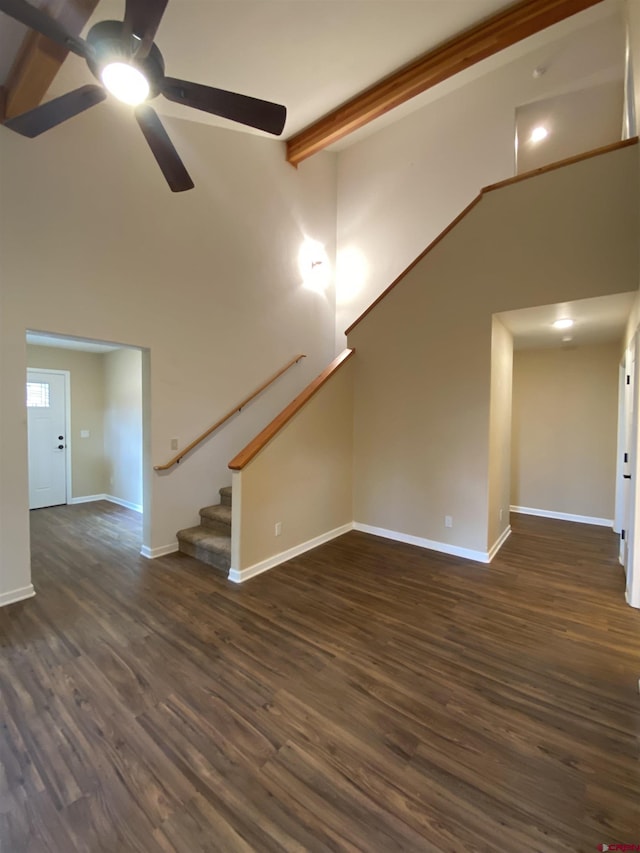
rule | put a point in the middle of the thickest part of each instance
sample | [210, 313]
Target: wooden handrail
[230, 414]
[569, 161]
[560, 164]
[254, 447]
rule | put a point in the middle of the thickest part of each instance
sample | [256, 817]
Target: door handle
[61, 447]
[627, 476]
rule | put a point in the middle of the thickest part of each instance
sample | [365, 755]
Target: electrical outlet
[278, 529]
[174, 443]
[448, 521]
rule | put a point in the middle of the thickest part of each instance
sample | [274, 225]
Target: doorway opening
[566, 428]
[86, 402]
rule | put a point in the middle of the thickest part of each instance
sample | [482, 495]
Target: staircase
[210, 542]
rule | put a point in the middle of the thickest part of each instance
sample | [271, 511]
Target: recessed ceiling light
[539, 133]
[563, 324]
[566, 339]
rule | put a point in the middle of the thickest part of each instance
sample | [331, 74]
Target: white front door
[47, 429]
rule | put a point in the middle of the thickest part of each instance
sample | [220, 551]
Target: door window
[38, 395]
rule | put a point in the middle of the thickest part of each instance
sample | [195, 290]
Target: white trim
[85, 499]
[17, 595]
[506, 533]
[236, 516]
[618, 513]
[627, 598]
[563, 516]
[162, 551]
[241, 575]
[442, 547]
[125, 504]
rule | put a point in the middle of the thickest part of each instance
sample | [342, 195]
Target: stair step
[216, 518]
[206, 545]
[225, 495]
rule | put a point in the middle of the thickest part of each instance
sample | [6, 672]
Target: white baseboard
[563, 516]
[85, 499]
[431, 545]
[241, 575]
[126, 504]
[627, 598]
[499, 542]
[16, 595]
[162, 551]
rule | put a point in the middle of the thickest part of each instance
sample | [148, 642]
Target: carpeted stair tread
[219, 514]
[204, 537]
[208, 546]
[210, 541]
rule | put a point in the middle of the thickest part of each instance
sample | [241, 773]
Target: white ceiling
[599, 320]
[312, 55]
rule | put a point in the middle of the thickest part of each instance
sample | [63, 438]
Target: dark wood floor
[367, 696]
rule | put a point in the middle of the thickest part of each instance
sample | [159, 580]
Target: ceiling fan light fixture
[125, 82]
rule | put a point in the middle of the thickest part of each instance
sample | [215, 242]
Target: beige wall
[423, 367]
[500, 430]
[565, 412]
[94, 245]
[594, 114]
[633, 24]
[302, 478]
[632, 325]
[123, 424]
[87, 413]
[400, 187]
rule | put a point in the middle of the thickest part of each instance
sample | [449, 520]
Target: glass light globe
[125, 82]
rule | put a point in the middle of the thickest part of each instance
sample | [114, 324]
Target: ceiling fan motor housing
[108, 42]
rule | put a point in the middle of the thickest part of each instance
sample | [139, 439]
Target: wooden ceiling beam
[508, 27]
[39, 59]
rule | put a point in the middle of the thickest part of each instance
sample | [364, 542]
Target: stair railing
[176, 459]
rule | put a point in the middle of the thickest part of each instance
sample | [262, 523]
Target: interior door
[627, 462]
[47, 438]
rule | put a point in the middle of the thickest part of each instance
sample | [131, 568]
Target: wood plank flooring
[367, 696]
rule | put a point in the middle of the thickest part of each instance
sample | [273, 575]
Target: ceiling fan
[123, 56]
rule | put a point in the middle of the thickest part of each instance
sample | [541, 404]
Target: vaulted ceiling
[312, 55]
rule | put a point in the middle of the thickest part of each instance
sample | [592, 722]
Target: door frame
[618, 521]
[67, 421]
[632, 567]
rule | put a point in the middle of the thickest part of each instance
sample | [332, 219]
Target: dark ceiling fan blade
[166, 155]
[241, 108]
[48, 115]
[142, 19]
[27, 14]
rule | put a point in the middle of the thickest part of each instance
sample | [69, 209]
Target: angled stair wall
[296, 474]
[423, 376]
